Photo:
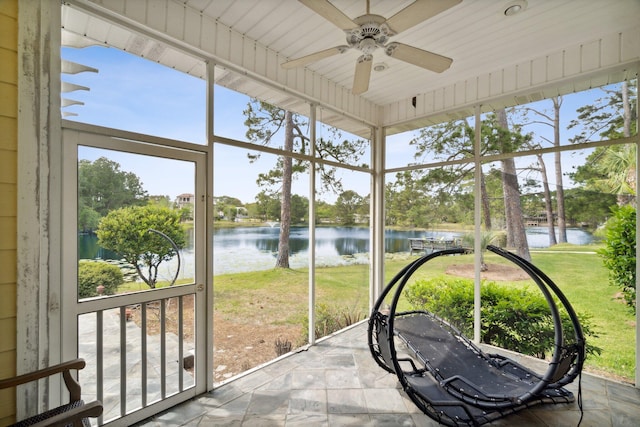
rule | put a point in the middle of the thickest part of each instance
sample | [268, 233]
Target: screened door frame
[77, 134]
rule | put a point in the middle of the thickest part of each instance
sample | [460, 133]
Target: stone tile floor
[337, 383]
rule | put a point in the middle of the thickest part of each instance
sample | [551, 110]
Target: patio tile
[306, 379]
[342, 385]
[384, 401]
[214, 421]
[268, 403]
[271, 420]
[307, 419]
[342, 378]
[349, 420]
[391, 420]
[308, 402]
[346, 401]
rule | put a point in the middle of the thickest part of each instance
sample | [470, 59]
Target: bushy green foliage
[517, 319]
[619, 252]
[92, 274]
[128, 231]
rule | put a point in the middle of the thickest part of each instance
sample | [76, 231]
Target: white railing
[136, 355]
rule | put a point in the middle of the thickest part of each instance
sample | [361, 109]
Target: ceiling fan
[368, 32]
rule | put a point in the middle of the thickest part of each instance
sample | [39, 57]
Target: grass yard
[280, 298]
[585, 283]
[286, 292]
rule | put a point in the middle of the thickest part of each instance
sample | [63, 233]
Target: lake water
[254, 248]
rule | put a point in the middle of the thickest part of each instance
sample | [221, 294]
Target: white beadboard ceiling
[553, 47]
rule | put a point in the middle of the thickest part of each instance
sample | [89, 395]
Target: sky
[153, 99]
[156, 100]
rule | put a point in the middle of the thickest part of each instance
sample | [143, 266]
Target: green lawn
[282, 296]
[584, 281]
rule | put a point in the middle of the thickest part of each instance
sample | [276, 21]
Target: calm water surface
[254, 248]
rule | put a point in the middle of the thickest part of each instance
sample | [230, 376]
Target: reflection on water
[254, 248]
[538, 237]
[88, 248]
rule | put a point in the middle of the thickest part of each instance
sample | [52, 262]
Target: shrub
[619, 252]
[517, 319]
[282, 346]
[91, 274]
[332, 318]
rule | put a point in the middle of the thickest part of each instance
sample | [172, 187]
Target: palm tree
[486, 238]
[620, 167]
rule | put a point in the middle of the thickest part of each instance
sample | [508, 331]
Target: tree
[551, 120]
[103, 187]
[408, 202]
[610, 117]
[264, 122]
[516, 233]
[299, 209]
[448, 141]
[548, 205]
[586, 207]
[140, 234]
[610, 169]
[325, 212]
[282, 259]
[88, 219]
[348, 206]
[268, 206]
[562, 227]
[486, 238]
[454, 141]
[224, 207]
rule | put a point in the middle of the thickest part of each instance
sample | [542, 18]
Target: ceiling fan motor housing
[371, 33]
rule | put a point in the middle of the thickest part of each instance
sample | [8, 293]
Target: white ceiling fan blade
[421, 58]
[330, 13]
[363, 74]
[417, 12]
[302, 61]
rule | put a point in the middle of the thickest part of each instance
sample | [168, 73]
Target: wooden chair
[75, 413]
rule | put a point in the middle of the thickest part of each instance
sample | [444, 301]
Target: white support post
[312, 226]
[477, 211]
[376, 213]
[208, 279]
[637, 142]
[39, 188]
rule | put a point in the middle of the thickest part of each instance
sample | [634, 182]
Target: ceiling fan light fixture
[368, 32]
[367, 46]
[515, 7]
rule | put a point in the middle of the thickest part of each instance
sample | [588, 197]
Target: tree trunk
[486, 210]
[626, 109]
[285, 203]
[547, 201]
[562, 225]
[516, 234]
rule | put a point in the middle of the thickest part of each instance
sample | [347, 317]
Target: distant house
[185, 199]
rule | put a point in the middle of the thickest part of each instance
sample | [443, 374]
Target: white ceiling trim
[146, 28]
[610, 59]
[228, 48]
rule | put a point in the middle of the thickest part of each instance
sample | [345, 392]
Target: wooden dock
[431, 244]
